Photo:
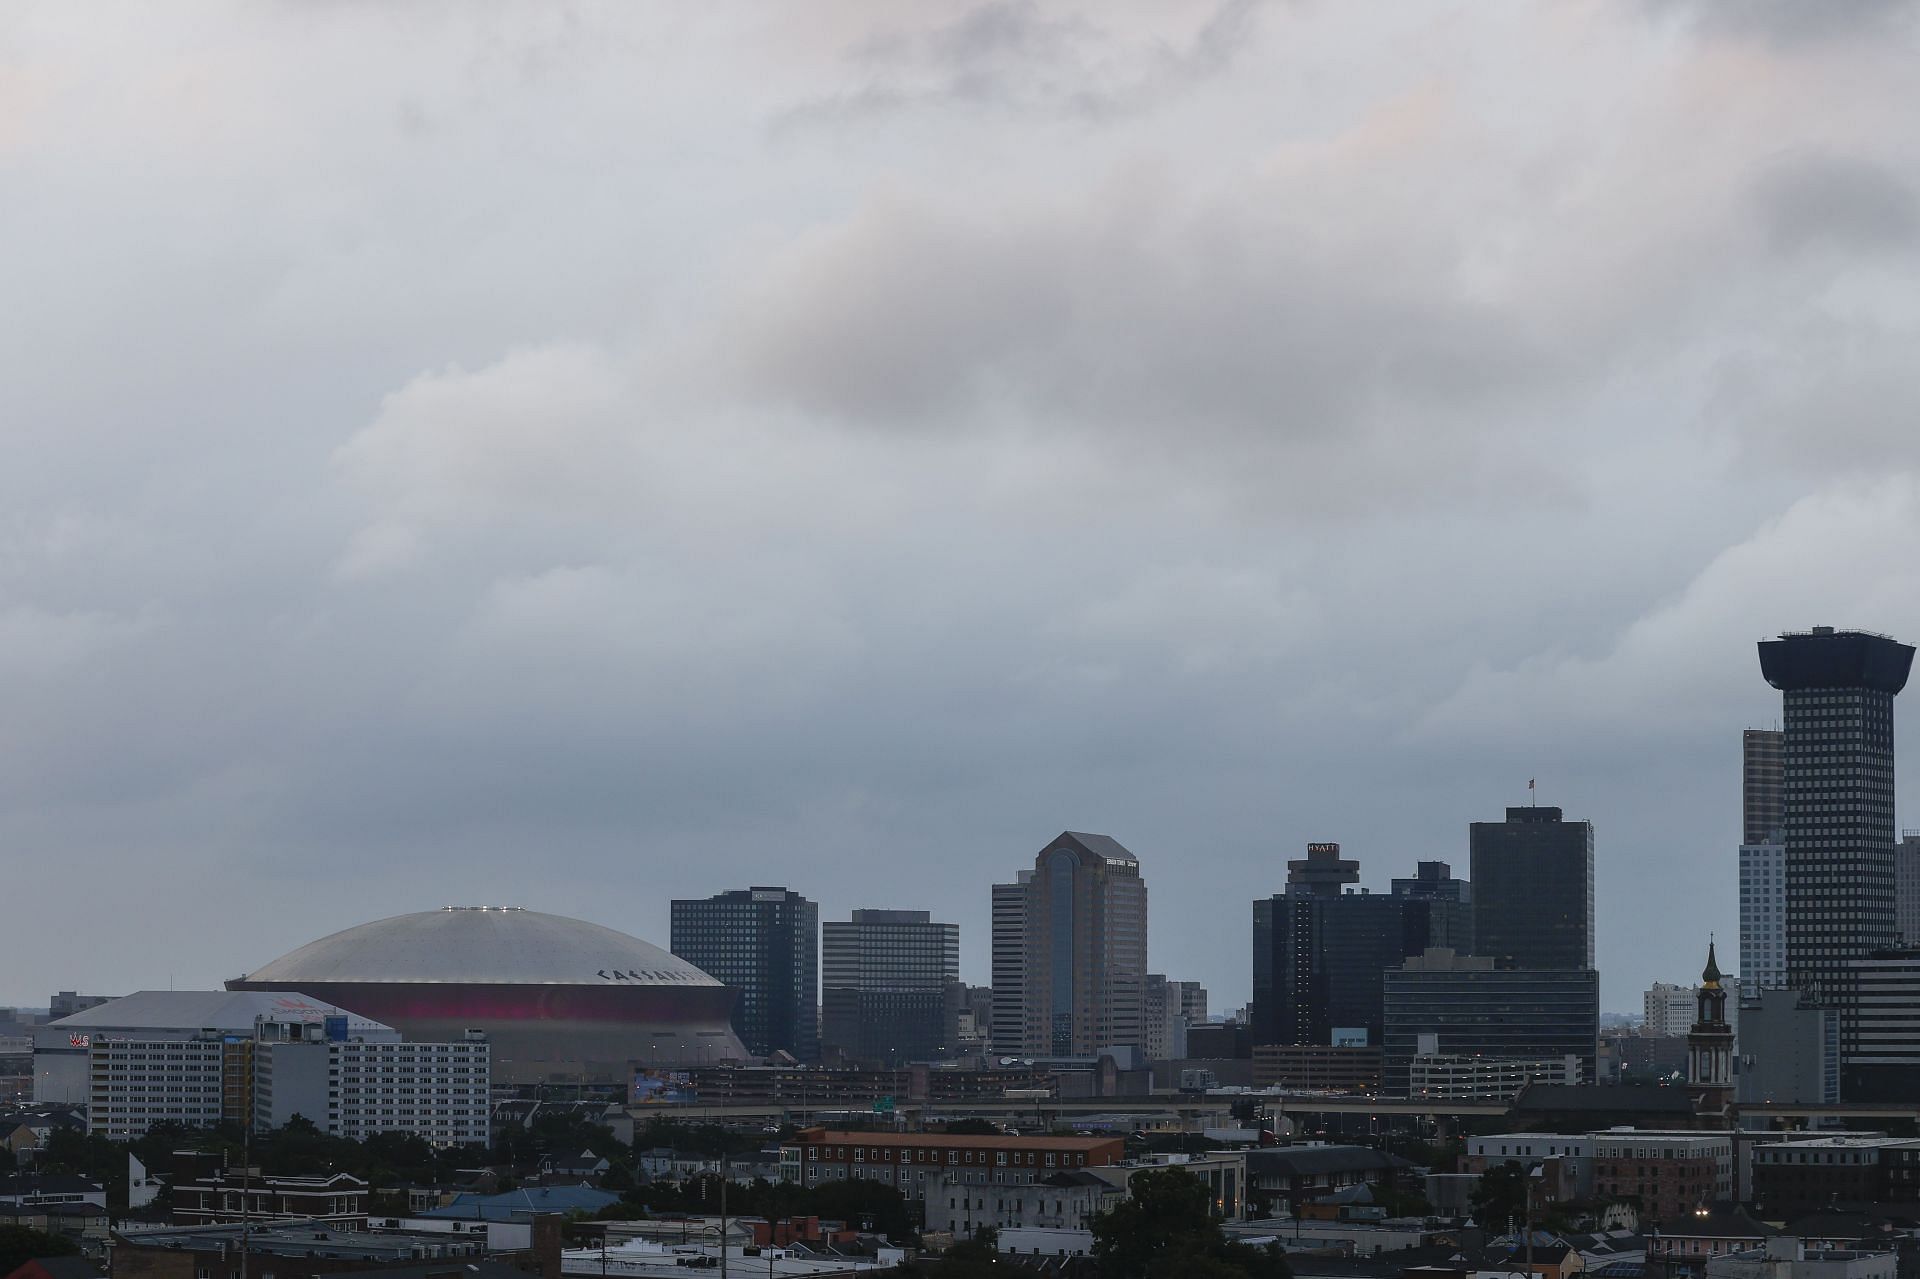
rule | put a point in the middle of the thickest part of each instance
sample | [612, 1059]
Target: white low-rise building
[202, 1058]
[173, 1056]
[1028, 1242]
[354, 1088]
[1063, 1201]
[1788, 1258]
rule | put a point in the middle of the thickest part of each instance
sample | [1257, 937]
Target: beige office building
[1083, 946]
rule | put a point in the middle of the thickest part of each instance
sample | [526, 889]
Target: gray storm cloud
[583, 456]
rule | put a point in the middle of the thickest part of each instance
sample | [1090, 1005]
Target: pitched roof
[512, 1203]
[1102, 846]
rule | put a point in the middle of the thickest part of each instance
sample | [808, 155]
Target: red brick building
[906, 1160]
[1667, 1174]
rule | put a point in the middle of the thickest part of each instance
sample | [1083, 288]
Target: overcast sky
[576, 456]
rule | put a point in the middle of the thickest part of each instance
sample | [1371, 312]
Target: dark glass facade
[884, 978]
[1320, 949]
[1533, 890]
[1473, 1009]
[1449, 905]
[765, 944]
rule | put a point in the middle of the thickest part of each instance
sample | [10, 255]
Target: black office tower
[765, 943]
[1837, 690]
[1320, 948]
[1448, 905]
[1533, 890]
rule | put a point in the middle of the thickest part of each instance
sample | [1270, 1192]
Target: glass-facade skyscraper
[1533, 890]
[1466, 1006]
[765, 944]
[1320, 948]
[1081, 916]
[884, 976]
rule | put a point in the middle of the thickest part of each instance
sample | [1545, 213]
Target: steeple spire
[1710, 1044]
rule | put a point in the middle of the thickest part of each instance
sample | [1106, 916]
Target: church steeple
[1710, 1043]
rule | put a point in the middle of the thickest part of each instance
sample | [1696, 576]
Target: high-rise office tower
[1449, 905]
[1453, 1005]
[765, 944]
[884, 976]
[1008, 1031]
[1533, 890]
[1837, 690]
[1906, 888]
[1083, 968]
[1763, 786]
[1320, 949]
[1763, 915]
[1193, 1001]
[969, 1019]
[1290, 976]
[1668, 1009]
[1880, 1058]
[1763, 885]
[1166, 1024]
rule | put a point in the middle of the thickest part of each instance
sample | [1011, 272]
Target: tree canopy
[1165, 1229]
[19, 1245]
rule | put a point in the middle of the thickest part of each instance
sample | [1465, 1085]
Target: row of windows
[1001, 1157]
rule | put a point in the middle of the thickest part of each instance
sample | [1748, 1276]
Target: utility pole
[1528, 1181]
[246, 1167]
[726, 1175]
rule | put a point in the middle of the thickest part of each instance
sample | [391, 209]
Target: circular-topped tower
[557, 998]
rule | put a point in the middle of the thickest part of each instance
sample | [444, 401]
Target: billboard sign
[661, 1088]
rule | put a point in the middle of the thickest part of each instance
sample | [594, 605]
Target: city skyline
[975, 966]
[585, 457]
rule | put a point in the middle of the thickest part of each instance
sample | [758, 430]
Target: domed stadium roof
[480, 945]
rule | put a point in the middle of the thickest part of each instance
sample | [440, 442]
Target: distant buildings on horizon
[1418, 983]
